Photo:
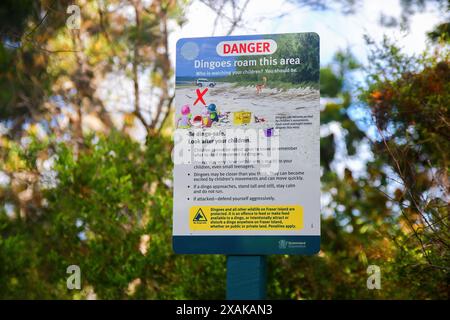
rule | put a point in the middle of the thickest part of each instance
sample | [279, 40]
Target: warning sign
[199, 217]
[247, 218]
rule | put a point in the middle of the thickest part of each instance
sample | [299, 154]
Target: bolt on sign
[246, 154]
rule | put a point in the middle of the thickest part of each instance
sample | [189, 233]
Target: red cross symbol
[200, 96]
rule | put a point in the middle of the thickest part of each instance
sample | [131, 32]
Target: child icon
[184, 122]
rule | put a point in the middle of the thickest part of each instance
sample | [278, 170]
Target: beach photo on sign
[240, 85]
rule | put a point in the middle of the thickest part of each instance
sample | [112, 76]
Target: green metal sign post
[246, 277]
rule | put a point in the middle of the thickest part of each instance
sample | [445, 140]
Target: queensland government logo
[282, 244]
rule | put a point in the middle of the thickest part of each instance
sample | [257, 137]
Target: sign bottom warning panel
[246, 230]
[214, 218]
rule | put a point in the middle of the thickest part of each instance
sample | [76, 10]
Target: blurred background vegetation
[77, 187]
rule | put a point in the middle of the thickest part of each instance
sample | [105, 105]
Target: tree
[408, 98]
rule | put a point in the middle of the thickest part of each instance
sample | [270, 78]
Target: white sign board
[247, 145]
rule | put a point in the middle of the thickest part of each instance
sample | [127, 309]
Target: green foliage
[13, 16]
[110, 213]
[330, 84]
[440, 33]
[408, 98]
[24, 81]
